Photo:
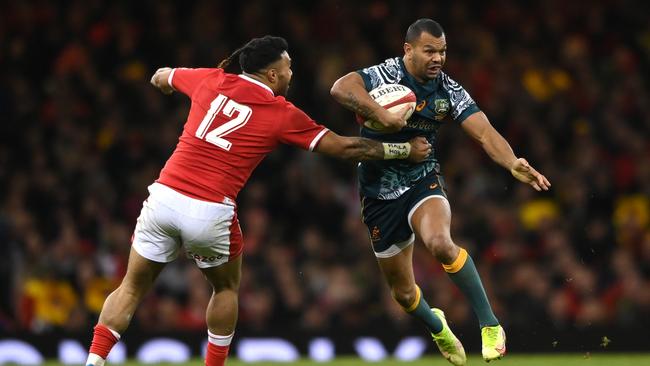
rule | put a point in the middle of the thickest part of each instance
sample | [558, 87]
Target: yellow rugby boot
[447, 343]
[494, 343]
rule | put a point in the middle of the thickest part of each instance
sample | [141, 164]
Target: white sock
[220, 340]
[114, 333]
[95, 360]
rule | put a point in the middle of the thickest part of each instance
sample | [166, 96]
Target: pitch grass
[572, 359]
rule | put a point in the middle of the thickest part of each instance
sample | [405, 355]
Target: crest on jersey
[441, 108]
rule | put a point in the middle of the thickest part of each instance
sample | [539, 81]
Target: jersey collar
[248, 78]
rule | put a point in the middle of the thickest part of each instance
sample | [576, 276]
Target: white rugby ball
[393, 97]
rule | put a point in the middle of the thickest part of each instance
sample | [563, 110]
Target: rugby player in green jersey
[405, 203]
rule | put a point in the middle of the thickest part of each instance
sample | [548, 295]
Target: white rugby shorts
[209, 231]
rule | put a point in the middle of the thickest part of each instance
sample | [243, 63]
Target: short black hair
[258, 53]
[423, 25]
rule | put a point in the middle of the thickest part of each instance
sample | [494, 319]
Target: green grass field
[598, 359]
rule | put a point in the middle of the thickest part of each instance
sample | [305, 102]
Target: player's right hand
[394, 121]
[420, 149]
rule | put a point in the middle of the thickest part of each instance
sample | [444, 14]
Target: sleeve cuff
[467, 112]
[366, 80]
[170, 77]
[316, 139]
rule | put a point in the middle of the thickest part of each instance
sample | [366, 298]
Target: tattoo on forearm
[353, 103]
[368, 149]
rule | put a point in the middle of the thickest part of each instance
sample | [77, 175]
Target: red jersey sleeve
[299, 130]
[186, 80]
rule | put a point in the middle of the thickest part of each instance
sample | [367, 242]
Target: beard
[284, 90]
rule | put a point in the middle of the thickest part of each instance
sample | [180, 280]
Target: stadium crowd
[83, 134]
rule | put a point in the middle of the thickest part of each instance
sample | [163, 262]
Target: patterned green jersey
[436, 99]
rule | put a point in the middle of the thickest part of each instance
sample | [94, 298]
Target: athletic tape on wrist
[395, 150]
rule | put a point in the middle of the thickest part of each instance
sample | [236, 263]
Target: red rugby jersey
[233, 123]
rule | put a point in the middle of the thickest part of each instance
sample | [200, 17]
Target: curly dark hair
[257, 54]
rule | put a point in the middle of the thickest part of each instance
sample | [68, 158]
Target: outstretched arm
[478, 126]
[351, 93]
[160, 80]
[359, 148]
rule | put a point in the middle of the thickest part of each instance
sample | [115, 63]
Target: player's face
[425, 56]
[283, 74]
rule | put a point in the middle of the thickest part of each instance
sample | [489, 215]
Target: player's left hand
[524, 172]
[420, 149]
[159, 80]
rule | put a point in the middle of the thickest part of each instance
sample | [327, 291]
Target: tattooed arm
[351, 93]
[359, 148]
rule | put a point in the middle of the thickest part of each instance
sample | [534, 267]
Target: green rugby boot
[447, 343]
[494, 343]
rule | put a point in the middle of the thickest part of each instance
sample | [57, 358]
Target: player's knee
[225, 285]
[405, 296]
[136, 283]
[229, 294]
[440, 245]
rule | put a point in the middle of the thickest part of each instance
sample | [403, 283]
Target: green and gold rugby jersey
[437, 100]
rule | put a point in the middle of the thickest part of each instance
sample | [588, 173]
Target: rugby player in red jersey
[233, 123]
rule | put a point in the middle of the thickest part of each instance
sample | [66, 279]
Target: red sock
[103, 341]
[218, 346]
[216, 355]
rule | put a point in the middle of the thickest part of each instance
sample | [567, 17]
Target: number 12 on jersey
[221, 104]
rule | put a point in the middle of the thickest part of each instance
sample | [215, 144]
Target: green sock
[463, 272]
[421, 310]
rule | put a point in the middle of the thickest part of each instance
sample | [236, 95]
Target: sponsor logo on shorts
[375, 235]
[433, 186]
[203, 258]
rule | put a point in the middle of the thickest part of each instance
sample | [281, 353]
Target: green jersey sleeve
[462, 104]
[388, 72]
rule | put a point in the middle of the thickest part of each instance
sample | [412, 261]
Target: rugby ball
[393, 97]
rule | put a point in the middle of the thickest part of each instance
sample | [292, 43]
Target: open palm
[527, 174]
